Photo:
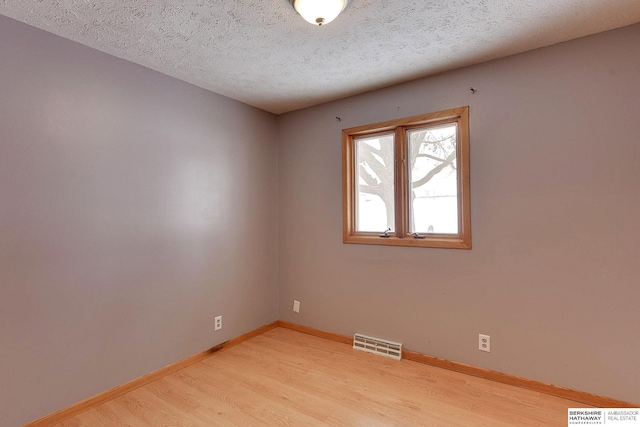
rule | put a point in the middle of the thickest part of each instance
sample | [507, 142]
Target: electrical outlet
[296, 306]
[218, 323]
[484, 343]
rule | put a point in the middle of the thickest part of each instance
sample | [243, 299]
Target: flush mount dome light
[319, 12]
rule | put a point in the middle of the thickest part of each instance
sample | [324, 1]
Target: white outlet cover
[218, 323]
[296, 306]
[484, 343]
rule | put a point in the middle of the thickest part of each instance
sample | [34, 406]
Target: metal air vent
[377, 346]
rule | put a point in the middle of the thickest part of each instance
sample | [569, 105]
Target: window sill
[453, 242]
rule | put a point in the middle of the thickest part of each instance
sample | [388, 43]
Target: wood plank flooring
[286, 378]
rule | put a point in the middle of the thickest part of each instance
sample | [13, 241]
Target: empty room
[309, 213]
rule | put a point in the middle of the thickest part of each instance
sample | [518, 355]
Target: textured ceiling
[262, 53]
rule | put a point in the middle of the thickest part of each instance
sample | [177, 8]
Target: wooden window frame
[401, 236]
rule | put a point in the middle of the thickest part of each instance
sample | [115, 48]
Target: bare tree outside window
[433, 192]
[434, 182]
[375, 186]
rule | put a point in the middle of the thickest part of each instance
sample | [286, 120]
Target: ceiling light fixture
[319, 12]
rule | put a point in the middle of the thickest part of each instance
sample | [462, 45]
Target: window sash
[377, 178]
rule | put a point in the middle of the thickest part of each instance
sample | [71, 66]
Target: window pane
[433, 178]
[375, 183]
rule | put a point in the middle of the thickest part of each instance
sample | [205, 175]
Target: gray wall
[554, 273]
[133, 209]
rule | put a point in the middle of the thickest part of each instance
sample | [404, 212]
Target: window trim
[400, 237]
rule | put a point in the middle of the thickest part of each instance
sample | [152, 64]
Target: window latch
[386, 233]
[417, 235]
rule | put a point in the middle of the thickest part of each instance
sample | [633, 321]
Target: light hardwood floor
[284, 377]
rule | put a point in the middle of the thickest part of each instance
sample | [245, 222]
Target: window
[406, 181]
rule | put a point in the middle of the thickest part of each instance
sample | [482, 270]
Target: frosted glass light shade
[319, 12]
